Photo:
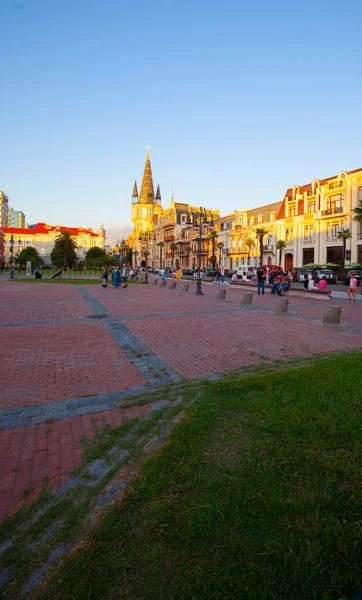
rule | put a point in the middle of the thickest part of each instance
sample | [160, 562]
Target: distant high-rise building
[4, 209]
[16, 218]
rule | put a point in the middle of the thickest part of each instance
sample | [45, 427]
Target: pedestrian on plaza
[311, 285]
[104, 277]
[58, 273]
[352, 288]
[218, 276]
[275, 285]
[163, 274]
[284, 285]
[306, 281]
[222, 274]
[270, 277]
[116, 280]
[178, 273]
[261, 280]
[124, 274]
[323, 284]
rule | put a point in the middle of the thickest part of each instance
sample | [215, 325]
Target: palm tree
[280, 246]
[212, 238]
[220, 245]
[135, 254]
[65, 246]
[173, 248]
[260, 232]
[344, 235]
[161, 245]
[358, 213]
[249, 242]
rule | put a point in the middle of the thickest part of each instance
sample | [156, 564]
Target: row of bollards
[332, 316]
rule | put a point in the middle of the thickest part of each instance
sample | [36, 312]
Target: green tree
[64, 252]
[281, 245]
[128, 256]
[260, 232]
[344, 235]
[188, 252]
[161, 245]
[95, 256]
[212, 237]
[249, 243]
[357, 212]
[135, 254]
[220, 245]
[173, 248]
[28, 254]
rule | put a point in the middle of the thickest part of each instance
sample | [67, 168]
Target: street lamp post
[144, 238]
[198, 219]
[124, 246]
[11, 242]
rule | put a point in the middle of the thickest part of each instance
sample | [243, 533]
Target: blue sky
[238, 101]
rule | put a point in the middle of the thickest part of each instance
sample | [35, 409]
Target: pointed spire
[147, 193]
[158, 193]
[135, 190]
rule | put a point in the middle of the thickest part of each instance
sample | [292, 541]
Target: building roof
[44, 229]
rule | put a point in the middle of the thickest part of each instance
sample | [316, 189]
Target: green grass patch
[258, 495]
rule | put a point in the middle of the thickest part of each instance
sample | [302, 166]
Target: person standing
[222, 273]
[124, 274]
[115, 277]
[163, 274]
[261, 280]
[352, 288]
[178, 274]
[104, 277]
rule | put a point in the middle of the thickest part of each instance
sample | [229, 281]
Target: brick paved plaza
[70, 353]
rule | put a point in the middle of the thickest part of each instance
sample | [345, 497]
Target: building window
[335, 203]
[289, 235]
[260, 219]
[360, 194]
[272, 216]
[311, 207]
[334, 229]
[291, 210]
[308, 232]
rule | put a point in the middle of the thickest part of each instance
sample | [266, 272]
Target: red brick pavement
[43, 363]
[195, 345]
[30, 454]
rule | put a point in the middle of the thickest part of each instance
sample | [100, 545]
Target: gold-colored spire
[147, 193]
[135, 190]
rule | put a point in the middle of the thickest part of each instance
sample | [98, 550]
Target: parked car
[328, 274]
[357, 275]
[230, 273]
[210, 272]
[187, 272]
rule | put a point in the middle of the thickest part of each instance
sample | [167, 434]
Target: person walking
[115, 277]
[222, 274]
[104, 277]
[352, 288]
[178, 274]
[124, 275]
[261, 280]
[163, 274]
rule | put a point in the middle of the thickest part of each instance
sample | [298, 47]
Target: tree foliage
[260, 232]
[64, 252]
[28, 254]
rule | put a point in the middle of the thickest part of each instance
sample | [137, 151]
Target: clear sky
[238, 100]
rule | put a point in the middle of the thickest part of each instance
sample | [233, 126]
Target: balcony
[169, 238]
[311, 193]
[289, 244]
[332, 211]
[308, 242]
[335, 184]
[268, 248]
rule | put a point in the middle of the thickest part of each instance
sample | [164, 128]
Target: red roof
[43, 228]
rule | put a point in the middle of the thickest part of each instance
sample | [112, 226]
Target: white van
[242, 270]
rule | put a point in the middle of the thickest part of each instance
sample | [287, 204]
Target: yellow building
[43, 237]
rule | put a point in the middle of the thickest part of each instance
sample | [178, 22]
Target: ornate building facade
[307, 220]
[42, 237]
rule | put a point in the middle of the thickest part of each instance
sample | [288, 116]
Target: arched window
[269, 260]
[260, 218]
[272, 215]
[251, 221]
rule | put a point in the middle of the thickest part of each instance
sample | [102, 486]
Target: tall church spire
[147, 193]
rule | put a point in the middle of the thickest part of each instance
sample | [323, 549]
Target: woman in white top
[311, 285]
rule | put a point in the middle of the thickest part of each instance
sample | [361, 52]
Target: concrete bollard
[184, 287]
[282, 306]
[162, 284]
[154, 281]
[221, 295]
[171, 285]
[247, 300]
[333, 316]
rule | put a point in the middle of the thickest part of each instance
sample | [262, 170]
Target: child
[352, 288]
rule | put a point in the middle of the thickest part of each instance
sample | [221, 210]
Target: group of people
[117, 277]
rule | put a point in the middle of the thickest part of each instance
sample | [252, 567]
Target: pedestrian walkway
[71, 353]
